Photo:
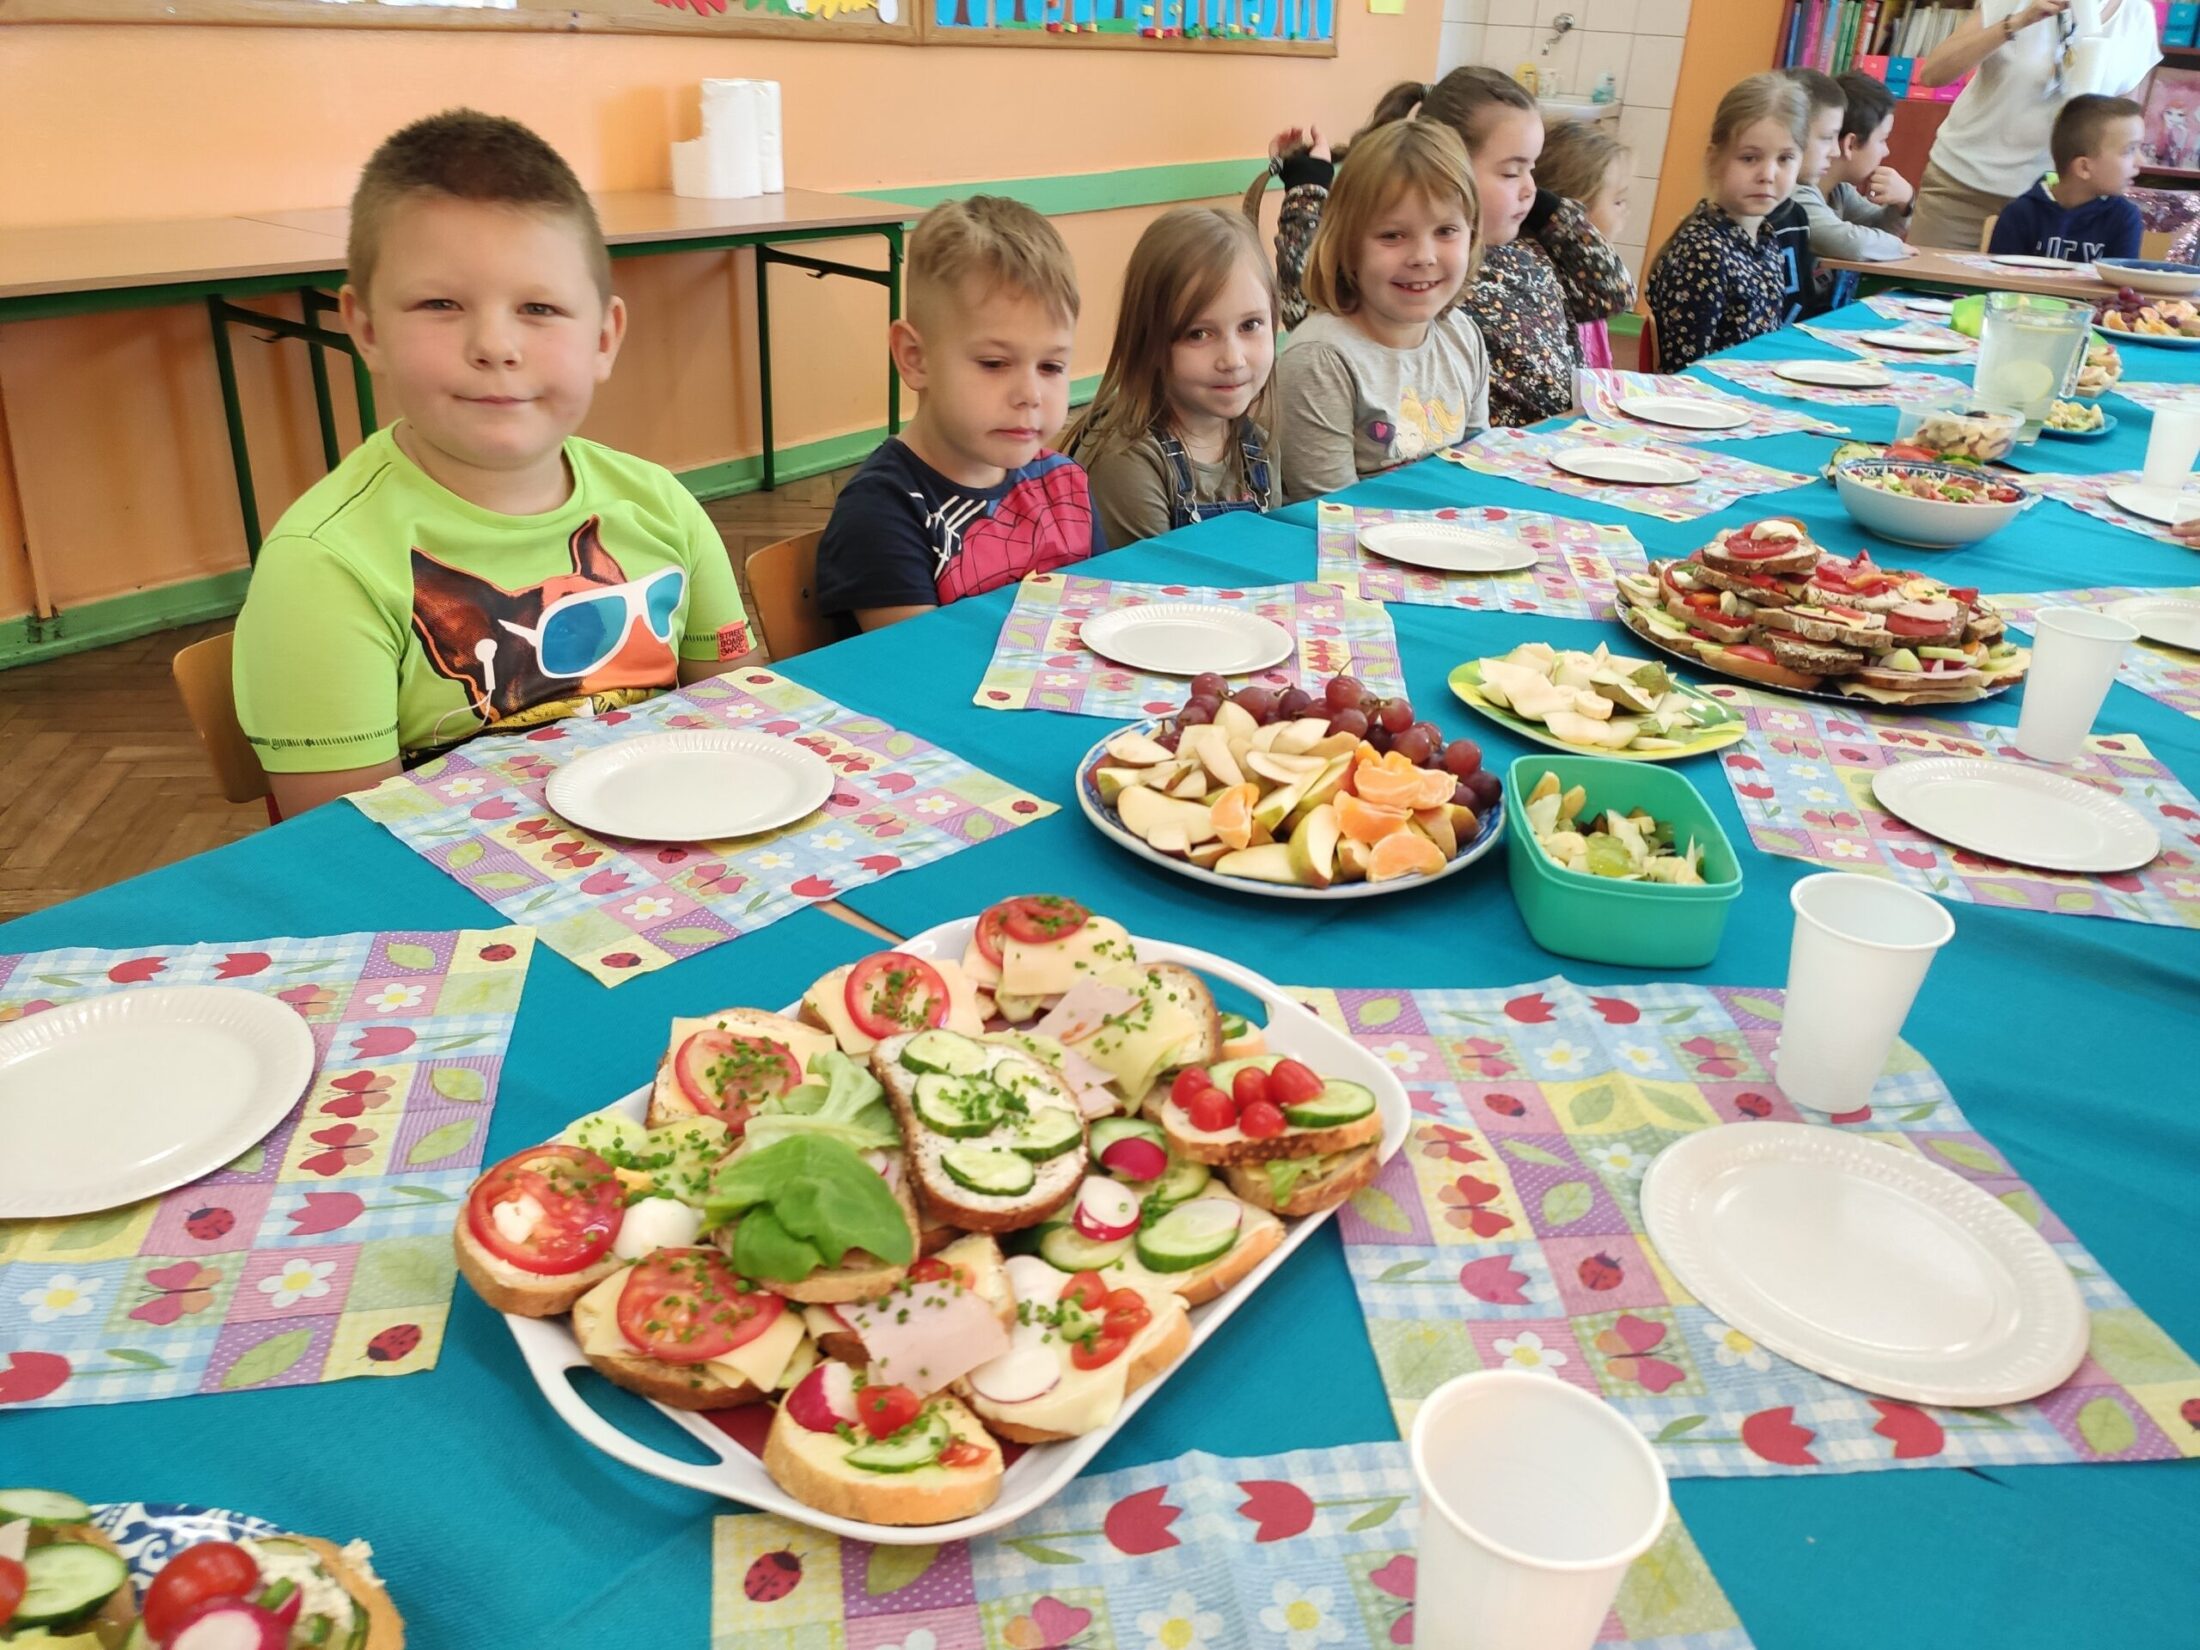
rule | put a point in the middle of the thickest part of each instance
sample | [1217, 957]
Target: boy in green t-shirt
[474, 564]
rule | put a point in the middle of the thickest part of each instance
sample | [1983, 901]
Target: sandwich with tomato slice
[1286, 1139]
[724, 1065]
[1081, 1345]
[538, 1229]
[682, 1327]
[880, 1452]
[861, 1004]
[1767, 560]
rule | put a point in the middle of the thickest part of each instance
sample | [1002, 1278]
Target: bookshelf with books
[1884, 39]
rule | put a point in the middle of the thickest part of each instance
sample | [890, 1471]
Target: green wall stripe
[1094, 191]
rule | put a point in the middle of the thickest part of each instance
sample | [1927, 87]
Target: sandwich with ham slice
[1081, 1345]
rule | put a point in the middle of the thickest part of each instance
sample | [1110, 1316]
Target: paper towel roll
[767, 139]
[725, 163]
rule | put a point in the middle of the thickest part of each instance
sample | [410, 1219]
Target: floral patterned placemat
[1601, 390]
[1573, 578]
[1852, 340]
[1803, 781]
[1508, 1233]
[2089, 494]
[2166, 673]
[324, 1251]
[1525, 455]
[2151, 396]
[1764, 377]
[619, 908]
[1041, 663]
[1283, 1552]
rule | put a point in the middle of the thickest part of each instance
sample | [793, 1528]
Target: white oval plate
[1866, 1263]
[1446, 547]
[2027, 816]
[1839, 375]
[1627, 465]
[704, 785]
[1044, 1470]
[1488, 829]
[2154, 503]
[1184, 639]
[110, 1099]
[1924, 343]
[2170, 620]
[1685, 412]
[1929, 306]
[2033, 260]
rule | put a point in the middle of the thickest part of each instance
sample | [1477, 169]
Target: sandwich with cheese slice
[724, 1065]
[853, 1448]
[1081, 1346]
[680, 1327]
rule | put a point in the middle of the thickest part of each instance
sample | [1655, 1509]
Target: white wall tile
[1512, 13]
[1643, 130]
[1653, 71]
[1603, 53]
[1459, 45]
[1546, 12]
[1631, 255]
[1466, 11]
[1505, 49]
[1617, 16]
[1560, 67]
[1662, 17]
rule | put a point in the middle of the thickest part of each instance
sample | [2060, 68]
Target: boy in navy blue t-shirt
[2084, 215]
[966, 498]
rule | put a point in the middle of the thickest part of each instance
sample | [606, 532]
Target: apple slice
[1351, 859]
[1435, 824]
[1212, 747]
[1170, 838]
[1299, 737]
[1284, 770]
[1207, 853]
[1265, 736]
[1332, 745]
[1144, 810]
[1113, 780]
[1313, 847]
[1322, 788]
[1272, 810]
[1193, 785]
[1235, 720]
[1270, 863]
[1135, 750]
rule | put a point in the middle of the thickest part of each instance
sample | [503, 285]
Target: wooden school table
[1929, 266]
[79, 269]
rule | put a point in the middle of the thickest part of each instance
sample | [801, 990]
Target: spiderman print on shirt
[1041, 523]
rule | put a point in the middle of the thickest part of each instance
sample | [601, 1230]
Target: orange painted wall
[1727, 41]
[122, 477]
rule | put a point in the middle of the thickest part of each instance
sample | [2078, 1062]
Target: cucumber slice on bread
[1192, 1234]
[1066, 1249]
[43, 1507]
[947, 1052]
[1338, 1102]
[988, 1169]
[1047, 1133]
[960, 1107]
[67, 1582]
[916, 1445]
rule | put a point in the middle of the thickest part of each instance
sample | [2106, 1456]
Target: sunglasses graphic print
[587, 631]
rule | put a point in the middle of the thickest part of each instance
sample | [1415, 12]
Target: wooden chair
[1646, 344]
[1986, 232]
[783, 578]
[210, 700]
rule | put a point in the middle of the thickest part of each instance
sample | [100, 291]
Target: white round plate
[1840, 375]
[110, 1099]
[1929, 306]
[700, 786]
[1183, 639]
[1924, 343]
[1627, 465]
[1866, 1263]
[2154, 503]
[2027, 816]
[1685, 412]
[1446, 547]
[2169, 620]
[2032, 260]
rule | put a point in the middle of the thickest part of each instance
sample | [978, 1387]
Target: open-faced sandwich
[947, 1205]
[1767, 604]
[64, 1585]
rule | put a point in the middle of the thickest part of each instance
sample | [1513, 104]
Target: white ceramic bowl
[1922, 523]
[2156, 276]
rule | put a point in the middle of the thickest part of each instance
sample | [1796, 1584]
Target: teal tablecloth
[2069, 1041]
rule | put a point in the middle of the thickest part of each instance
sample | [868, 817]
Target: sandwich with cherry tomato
[1155, 1216]
[1286, 1138]
[62, 1580]
[880, 1451]
[1081, 1345]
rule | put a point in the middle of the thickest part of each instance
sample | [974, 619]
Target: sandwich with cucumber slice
[856, 1448]
[1158, 1216]
[1285, 1138]
[995, 1140]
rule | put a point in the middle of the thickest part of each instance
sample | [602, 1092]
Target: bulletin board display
[1275, 27]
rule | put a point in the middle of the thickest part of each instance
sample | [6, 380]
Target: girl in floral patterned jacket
[1545, 269]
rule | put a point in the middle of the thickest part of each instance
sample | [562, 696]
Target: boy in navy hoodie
[2084, 215]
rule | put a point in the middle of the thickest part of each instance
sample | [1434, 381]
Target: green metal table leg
[893, 314]
[240, 454]
[322, 405]
[764, 358]
[362, 386]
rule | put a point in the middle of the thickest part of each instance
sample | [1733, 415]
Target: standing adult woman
[1993, 144]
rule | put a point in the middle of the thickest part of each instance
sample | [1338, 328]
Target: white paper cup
[2172, 445]
[2075, 651]
[1862, 946]
[1535, 1497]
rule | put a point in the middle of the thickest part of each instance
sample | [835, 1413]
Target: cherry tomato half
[885, 1410]
[1103, 1349]
[1212, 1110]
[13, 1582]
[686, 1306]
[891, 992]
[1249, 1086]
[963, 1453]
[210, 1570]
[1293, 1083]
[1262, 1120]
[1190, 1081]
[582, 1204]
[1086, 1291]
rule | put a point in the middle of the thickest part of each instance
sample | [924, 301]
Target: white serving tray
[1042, 1471]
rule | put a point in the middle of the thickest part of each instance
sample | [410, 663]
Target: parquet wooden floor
[102, 777]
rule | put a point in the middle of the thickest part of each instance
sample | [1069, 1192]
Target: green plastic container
[1600, 919]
